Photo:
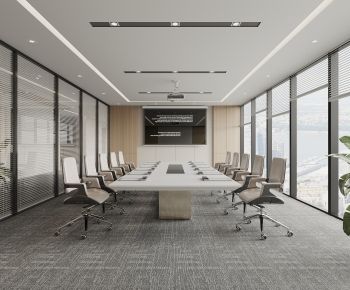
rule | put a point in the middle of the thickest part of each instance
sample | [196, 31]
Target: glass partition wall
[306, 113]
[41, 122]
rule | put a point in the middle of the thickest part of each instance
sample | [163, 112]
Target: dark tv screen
[175, 126]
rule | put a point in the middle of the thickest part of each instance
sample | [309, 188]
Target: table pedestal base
[175, 205]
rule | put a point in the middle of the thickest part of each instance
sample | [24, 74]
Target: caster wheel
[225, 212]
[238, 228]
[248, 222]
[263, 237]
[217, 201]
[83, 237]
[109, 228]
[70, 224]
[289, 233]
[121, 212]
[57, 234]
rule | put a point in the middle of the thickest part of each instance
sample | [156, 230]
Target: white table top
[159, 180]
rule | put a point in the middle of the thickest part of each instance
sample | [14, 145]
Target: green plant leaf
[344, 184]
[341, 156]
[345, 140]
[346, 221]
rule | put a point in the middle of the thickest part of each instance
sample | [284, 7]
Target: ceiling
[254, 58]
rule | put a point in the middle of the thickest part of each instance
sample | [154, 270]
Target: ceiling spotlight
[138, 71]
[201, 92]
[31, 41]
[212, 71]
[314, 41]
[73, 93]
[267, 76]
[148, 92]
[103, 93]
[175, 71]
[236, 24]
[79, 76]
[175, 24]
[114, 23]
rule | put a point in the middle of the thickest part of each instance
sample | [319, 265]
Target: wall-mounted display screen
[175, 126]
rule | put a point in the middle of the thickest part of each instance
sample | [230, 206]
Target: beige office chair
[104, 178]
[262, 191]
[116, 165]
[105, 169]
[87, 192]
[234, 164]
[243, 177]
[122, 161]
[227, 161]
[243, 165]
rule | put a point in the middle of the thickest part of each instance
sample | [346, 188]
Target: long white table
[175, 190]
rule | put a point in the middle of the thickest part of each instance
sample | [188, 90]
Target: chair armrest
[119, 170]
[266, 186]
[254, 180]
[240, 175]
[108, 175]
[81, 187]
[92, 182]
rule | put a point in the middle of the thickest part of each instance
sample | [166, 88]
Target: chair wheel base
[225, 212]
[248, 222]
[263, 237]
[109, 228]
[238, 228]
[57, 233]
[290, 233]
[83, 237]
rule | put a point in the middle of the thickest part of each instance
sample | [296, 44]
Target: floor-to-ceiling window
[260, 127]
[89, 127]
[69, 124]
[5, 131]
[312, 135]
[247, 127]
[102, 128]
[35, 134]
[281, 126]
[343, 90]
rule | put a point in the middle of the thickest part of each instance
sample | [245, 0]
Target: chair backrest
[258, 165]
[228, 157]
[121, 157]
[104, 162]
[278, 170]
[235, 160]
[244, 161]
[70, 170]
[90, 166]
[114, 160]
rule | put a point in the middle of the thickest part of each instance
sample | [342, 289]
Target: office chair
[87, 192]
[243, 177]
[227, 161]
[116, 165]
[243, 165]
[104, 179]
[262, 192]
[131, 165]
[234, 164]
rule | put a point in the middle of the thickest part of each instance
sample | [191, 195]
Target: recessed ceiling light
[103, 93]
[236, 24]
[175, 71]
[138, 71]
[267, 76]
[79, 76]
[314, 41]
[73, 93]
[114, 23]
[148, 92]
[31, 41]
[212, 71]
[175, 24]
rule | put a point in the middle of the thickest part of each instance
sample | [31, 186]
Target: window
[89, 127]
[281, 126]
[260, 131]
[69, 126]
[247, 109]
[102, 128]
[5, 132]
[312, 135]
[36, 135]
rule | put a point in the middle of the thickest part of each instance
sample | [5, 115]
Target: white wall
[178, 153]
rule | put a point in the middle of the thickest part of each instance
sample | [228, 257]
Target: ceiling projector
[175, 96]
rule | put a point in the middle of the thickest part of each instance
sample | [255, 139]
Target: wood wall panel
[226, 136]
[125, 125]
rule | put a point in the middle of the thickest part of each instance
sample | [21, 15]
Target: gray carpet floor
[142, 252]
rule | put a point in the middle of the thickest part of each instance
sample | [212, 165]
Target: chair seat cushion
[97, 194]
[249, 194]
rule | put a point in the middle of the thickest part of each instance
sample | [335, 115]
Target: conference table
[175, 183]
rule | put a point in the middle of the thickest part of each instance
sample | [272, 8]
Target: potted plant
[344, 183]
